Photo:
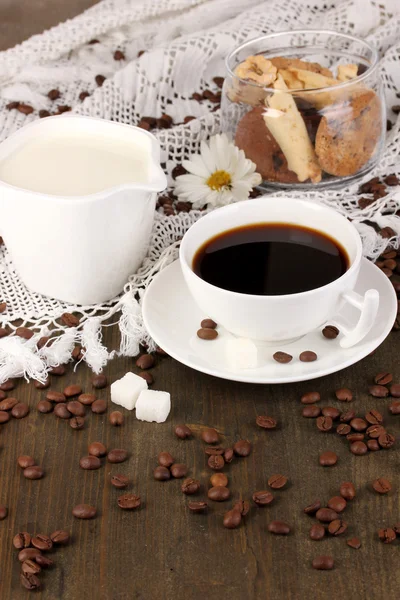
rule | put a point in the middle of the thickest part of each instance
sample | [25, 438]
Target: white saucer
[172, 318]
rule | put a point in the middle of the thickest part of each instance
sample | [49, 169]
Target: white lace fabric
[185, 44]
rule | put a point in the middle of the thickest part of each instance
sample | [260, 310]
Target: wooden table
[162, 551]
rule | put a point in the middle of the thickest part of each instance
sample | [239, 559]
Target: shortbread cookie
[348, 133]
[281, 62]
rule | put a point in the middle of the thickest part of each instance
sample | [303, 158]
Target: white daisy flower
[219, 175]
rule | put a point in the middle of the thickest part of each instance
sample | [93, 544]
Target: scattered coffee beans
[323, 563]
[20, 410]
[117, 455]
[358, 448]
[354, 543]
[282, 357]
[242, 506]
[99, 381]
[183, 432]
[232, 519]
[228, 455]
[219, 480]
[308, 356]
[266, 422]
[42, 542]
[382, 485]
[311, 412]
[262, 498]
[242, 448]
[326, 515]
[207, 323]
[44, 406]
[374, 417]
[330, 332]
[119, 481]
[61, 411]
[129, 501]
[28, 553]
[395, 390]
[213, 450]
[116, 418]
[279, 528]
[52, 396]
[146, 361]
[3, 512]
[347, 490]
[337, 503]
[324, 424]
[310, 398]
[387, 536]
[97, 449]
[207, 334]
[337, 527]
[277, 482]
[219, 493]
[347, 416]
[394, 407]
[210, 436]
[216, 462]
[28, 580]
[72, 390]
[190, 486]
[198, 507]
[76, 408]
[386, 440]
[60, 537]
[25, 461]
[179, 470]
[77, 422]
[378, 391]
[22, 540]
[317, 532]
[328, 459]
[84, 511]
[165, 459]
[383, 378]
[99, 407]
[87, 399]
[161, 473]
[311, 509]
[330, 411]
[34, 472]
[344, 395]
[89, 463]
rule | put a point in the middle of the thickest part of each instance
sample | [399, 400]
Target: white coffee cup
[286, 317]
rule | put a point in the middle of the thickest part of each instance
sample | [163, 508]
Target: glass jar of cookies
[306, 106]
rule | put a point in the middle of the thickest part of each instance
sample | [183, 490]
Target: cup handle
[368, 306]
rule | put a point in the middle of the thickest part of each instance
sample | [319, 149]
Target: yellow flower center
[219, 180]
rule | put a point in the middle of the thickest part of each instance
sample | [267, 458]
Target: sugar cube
[153, 406]
[241, 353]
[125, 391]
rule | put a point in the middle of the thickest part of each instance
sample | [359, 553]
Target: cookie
[281, 62]
[259, 145]
[348, 133]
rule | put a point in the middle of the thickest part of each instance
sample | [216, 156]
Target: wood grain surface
[162, 551]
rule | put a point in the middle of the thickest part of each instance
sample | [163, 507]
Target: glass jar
[306, 106]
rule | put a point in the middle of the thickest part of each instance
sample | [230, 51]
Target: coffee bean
[54, 94]
[42, 542]
[210, 436]
[344, 395]
[87, 399]
[34, 472]
[22, 540]
[374, 417]
[100, 79]
[44, 113]
[77, 353]
[328, 459]
[177, 171]
[354, 543]
[198, 507]
[146, 361]
[84, 511]
[29, 581]
[117, 455]
[8, 385]
[330, 332]
[58, 371]
[311, 509]
[25, 461]
[218, 493]
[343, 429]
[262, 498]
[317, 532]
[118, 55]
[337, 527]
[44, 406]
[310, 398]
[61, 411]
[165, 459]
[72, 390]
[228, 455]
[232, 519]
[386, 440]
[374, 431]
[119, 481]
[331, 411]
[89, 463]
[311, 411]
[214, 450]
[242, 448]
[147, 376]
[216, 462]
[60, 537]
[7, 403]
[282, 357]
[44, 561]
[3, 512]
[347, 416]
[266, 422]
[52, 396]
[28, 553]
[183, 432]
[277, 482]
[207, 323]
[129, 501]
[161, 473]
[207, 334]
[308, 356]
[97, 449]
[323, 563]
[76, 408]
[337, 503]
[279, 528]
[373, 445]
[20, 410]
[347, 490]
[326, 515]
[355, 437]
[395, 390]
[358, 448]
[30, 567]
[77, 422]
[99, 381]
[4, 416]
[358, 424]
[387, 536]
[190, 486]
[242, 506]
[383, 378]
[24, 332]
[99, 407]
[382, 485]
[178, 470]
[116, 418]
[43, 341]
[378, 391]
[324, 423]
[394, 407]
[188, 119]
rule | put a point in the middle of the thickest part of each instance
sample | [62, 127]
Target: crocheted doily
[185, 43]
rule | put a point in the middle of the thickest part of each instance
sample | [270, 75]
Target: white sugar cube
[125, 391]
[241, 353]
[153, 406]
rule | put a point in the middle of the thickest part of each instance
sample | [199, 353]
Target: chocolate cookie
[258, 144]
[348, 133]
[281, 62]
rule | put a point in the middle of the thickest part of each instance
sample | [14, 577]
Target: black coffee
[270, 259]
